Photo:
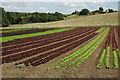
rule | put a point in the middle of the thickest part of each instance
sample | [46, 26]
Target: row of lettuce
[81, 55]
[9, 38]
[74, 60]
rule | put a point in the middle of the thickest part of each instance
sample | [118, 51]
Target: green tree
[18, 20]
[59, 15]
[75, 12]
[5, 21]
[33, 19]
[23, 18]
[10, 18]
[101, 9]
[110, 10]
[84, 12]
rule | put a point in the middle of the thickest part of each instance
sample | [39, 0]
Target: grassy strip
[115, 59]
[9, 38]
[107, 59]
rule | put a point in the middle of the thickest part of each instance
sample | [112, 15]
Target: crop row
[9, 38]
[118, 31]
[42, 40]
[50, 55]
[116, 53]
[106, 51]
[39, 50]
[91, 50]
[29, 31]
[45, 42]
[82, 54]
[38, 37]
[13, 30]
[41, 37]
[5, 29]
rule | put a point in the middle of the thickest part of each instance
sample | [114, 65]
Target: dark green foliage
[110, 10]
[23, 18]
[33, 19]
[76, 12]
[9, 18]
[100, 9]
[5, 23]
[5, 16]
[0, 17]
[59, 16]
[84, 12]
[18, 20]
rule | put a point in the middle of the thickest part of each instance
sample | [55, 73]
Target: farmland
[60, 52]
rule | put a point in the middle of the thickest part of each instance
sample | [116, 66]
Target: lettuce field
[62, 49]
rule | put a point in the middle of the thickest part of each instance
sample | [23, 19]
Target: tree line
[9, 18]
[87, 12]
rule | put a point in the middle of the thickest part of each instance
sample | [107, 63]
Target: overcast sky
[63, 7]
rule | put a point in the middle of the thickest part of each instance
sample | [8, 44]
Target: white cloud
[63, 7]
[41, 9]
[23, 7]
[74, 4]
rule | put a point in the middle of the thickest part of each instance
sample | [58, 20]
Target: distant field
[109, 19]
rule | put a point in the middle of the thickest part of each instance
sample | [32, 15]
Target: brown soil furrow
[5, 29]
[61, 51]
[47, 54]
[35, 51]
[31, 39]
[53, 52]
[37, 47]
[33, 42]
[37, 55]
[39, 44]
[40, 38]
[29, 31]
